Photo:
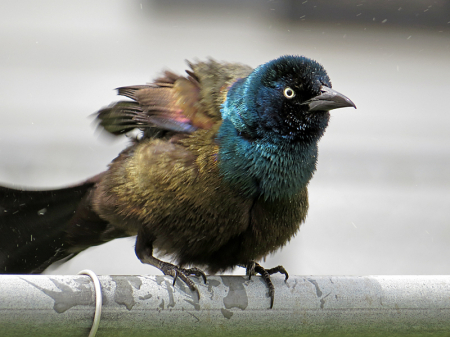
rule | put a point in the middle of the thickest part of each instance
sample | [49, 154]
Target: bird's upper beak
[329, 99]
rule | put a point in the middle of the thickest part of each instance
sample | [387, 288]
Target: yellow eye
[289, 93]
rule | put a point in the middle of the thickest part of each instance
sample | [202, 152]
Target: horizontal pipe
[48, 305]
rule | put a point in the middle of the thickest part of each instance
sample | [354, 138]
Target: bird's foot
[254, 268]
[182, 273]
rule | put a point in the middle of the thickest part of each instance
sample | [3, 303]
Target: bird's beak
[329, 99]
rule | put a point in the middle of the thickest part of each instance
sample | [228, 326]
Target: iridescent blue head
[272, 121]
[287, 98]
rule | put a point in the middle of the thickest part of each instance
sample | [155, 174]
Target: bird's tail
[38, 228]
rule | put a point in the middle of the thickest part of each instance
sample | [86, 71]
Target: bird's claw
[254, 268]
[278, 269]
[182, 273]
[196, 272]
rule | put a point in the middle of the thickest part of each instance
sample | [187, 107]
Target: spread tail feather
[38, 228]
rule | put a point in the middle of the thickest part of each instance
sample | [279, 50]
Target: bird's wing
[173, 102]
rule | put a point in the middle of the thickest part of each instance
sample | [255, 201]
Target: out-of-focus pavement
[380, 200]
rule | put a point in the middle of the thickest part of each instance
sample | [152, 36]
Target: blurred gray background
[380, 200]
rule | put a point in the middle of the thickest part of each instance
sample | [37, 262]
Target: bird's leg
[253, 268]
[144, 252]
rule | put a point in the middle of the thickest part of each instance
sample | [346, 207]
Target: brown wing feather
[173, 102]
[170, 103]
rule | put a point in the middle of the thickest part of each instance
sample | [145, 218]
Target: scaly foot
[253, 268]
[182, 273]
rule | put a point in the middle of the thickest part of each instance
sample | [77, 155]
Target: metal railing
[48, 305]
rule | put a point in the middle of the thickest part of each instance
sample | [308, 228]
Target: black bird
[218, 178]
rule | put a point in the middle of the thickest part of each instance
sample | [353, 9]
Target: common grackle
[217, 179]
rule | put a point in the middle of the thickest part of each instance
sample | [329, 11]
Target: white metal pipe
[48, 305]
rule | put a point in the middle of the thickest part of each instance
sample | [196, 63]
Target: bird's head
[287, 98]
